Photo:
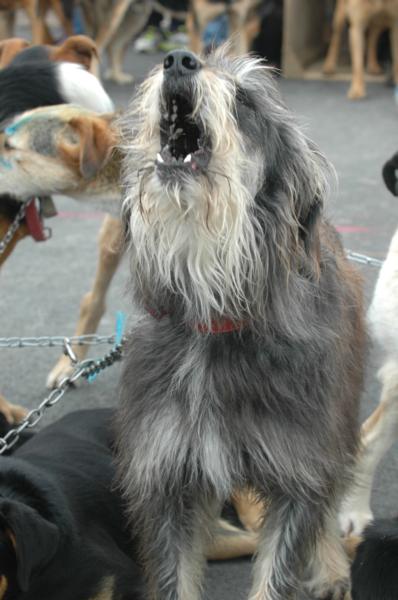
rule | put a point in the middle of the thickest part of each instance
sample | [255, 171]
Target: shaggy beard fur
[204, 238]
[235, 233]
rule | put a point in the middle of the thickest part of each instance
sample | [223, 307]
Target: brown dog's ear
[34, 538]
[97, 140]
[10, 48]
[78, 49]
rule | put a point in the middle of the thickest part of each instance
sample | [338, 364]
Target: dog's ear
[10, 48]
[79, 49]
[97, 140]
[34, 538]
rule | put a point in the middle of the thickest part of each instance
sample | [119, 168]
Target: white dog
[380, 430]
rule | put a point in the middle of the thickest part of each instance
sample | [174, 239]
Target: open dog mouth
[183, 142]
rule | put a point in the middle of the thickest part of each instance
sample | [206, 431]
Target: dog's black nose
[181, 62]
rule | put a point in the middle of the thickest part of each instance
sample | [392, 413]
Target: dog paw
[120, 78]
[374, 69]
[354, 520]
[12, 412]
[329, 68]
[339, 591]
[62, 369]
[356, 92]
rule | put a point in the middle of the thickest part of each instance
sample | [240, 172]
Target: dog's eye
[7, 145]
[244, 98]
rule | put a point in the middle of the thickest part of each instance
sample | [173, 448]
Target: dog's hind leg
[173, 541]
[379, 432]
[295, 537]
[109, 29]
[93, 303]
[339, 19]
[131, 27]
[7, 24]
[33, 10]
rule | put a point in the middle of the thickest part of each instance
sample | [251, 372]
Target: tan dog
[375, 15]
[78, 49]
[36, 11]
[244, 22]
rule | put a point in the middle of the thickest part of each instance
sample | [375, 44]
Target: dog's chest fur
[217, 410]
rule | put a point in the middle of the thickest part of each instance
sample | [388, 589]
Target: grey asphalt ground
[41, 284]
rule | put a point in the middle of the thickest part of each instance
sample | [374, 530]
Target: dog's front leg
[394, 48]
[7, 24]
[299, 545]
[378, 434]
[33, 10]
[173, 540]
[358, 25]
[332, 56]
[93, 303]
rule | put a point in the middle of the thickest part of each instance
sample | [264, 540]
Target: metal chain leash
[54, 341]
[86, 369]
[363, 259]
[13, 228]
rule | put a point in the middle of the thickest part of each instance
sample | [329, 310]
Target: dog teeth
[159, 158]
[188, 158]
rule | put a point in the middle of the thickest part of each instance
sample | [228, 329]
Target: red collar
[34, 222]
[222, 326]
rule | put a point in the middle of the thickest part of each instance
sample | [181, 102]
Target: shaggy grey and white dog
[245, 367]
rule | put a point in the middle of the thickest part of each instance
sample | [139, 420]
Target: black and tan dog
[78, 49]
[63, 534]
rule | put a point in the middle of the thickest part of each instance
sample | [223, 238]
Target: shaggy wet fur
[224, 197]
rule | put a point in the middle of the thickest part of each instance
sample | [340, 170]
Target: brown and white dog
[78, 49]
[75, 157]
[375, 15]
[36, 11]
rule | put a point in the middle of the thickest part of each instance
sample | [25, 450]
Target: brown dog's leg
[249, 509]
[7, 24]
[357, 46]
[109, 29]
[230, 542]
[33, 10]
[66, 24]
[394, 49]
[372, 64]
[93, 303]
[12, 412]
[339, 18]
[200, 14]
[195, 40]
[132, 25]
[237, 21]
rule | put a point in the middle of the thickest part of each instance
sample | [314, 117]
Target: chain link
[52, 341]
[86, 369]
[363, 259]
[13, 228]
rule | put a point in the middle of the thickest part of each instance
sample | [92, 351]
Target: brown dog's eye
[7, 145]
